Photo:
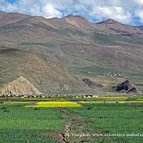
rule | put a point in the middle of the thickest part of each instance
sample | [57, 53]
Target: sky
[125, 11]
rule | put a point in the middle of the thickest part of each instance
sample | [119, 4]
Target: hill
[41, 75]
[19, 86]
[81, 47]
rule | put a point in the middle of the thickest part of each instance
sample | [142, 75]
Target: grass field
[28, 125]
[83, 123]
[115, 119]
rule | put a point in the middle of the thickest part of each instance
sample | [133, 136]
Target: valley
[68, 80]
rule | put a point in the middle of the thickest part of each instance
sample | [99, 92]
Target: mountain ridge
[109, 25]
[81, 47]
[108, 21]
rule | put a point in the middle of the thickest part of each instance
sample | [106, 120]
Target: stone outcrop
[90, 83]
[19, 86]
[133, 90]
[127, 87]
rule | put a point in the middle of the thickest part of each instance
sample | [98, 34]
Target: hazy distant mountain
[44, 50]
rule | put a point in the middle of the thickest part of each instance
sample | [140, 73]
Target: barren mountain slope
[75, 43]
[41, 72]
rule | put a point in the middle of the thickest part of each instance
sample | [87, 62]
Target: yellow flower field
[112, 97]
[56, 104]
[101, 102]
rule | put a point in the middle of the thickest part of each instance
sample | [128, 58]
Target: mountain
[9, 18]
[119, 28]
[55, 54]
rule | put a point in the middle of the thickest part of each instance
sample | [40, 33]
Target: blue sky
[12, 1]
[125, 11]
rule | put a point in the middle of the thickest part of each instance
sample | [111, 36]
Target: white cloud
[139, 2]
[116, 13]
[139, 14]
[49, 11]
[95, 10]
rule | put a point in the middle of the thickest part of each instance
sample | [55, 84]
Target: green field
[89, 123]
[28, 125]
[114, 119]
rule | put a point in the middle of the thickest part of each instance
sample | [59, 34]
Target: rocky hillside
[18, 86]
[41, 73]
